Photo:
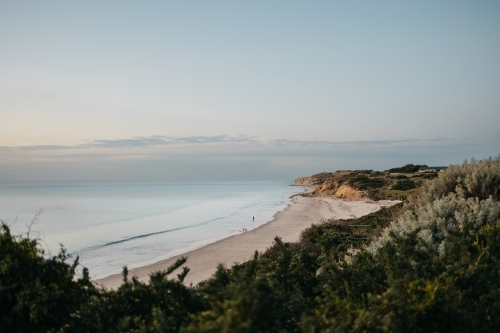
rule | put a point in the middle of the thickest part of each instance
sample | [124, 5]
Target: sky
[233, 90]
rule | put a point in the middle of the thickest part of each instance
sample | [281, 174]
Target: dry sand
[287, 224]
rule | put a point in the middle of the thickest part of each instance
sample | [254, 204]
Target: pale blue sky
[343, 84]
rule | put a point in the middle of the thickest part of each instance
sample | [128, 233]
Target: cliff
[316, 179]
[363, 184]
[332, 184]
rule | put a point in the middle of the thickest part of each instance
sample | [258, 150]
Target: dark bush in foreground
[162, 305]
[38, 294]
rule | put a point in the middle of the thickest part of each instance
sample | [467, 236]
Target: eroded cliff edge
[366, 184]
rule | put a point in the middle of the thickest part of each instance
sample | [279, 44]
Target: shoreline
[287, 224]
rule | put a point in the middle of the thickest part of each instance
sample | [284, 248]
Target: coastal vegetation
[409, 168]
[396, 183]
[429, 264]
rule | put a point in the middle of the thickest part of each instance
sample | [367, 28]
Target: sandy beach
[287, 224]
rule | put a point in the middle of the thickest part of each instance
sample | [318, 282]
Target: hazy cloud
[224, 157]
[162, 141]
[143, 142]
[285, 142]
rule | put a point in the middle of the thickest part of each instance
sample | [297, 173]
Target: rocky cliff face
[316, 179]
[343, 191]
[332, 184]
[365, 184]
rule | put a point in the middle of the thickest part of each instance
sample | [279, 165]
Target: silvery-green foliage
[474, 179]
[462, 199]
[438, 219]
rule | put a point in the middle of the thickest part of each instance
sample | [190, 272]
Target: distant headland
[395, 183]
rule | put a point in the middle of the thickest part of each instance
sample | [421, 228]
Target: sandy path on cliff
[287, 224]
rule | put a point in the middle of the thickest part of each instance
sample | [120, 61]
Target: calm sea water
[113, 224]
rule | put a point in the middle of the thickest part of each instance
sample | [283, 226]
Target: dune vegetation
[430, 264]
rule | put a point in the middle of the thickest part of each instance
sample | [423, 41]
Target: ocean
[111, 224]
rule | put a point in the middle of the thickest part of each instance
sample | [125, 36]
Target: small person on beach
[253, 218]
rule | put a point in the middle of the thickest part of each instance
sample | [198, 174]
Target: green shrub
[162, 305]
[415, 288]
[361, 182]
[404, 185]
[409, 168]
[474, 179]
[38, 294]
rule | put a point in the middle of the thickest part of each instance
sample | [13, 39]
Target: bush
[409, 168]
[407, 286]
[38, 294]
[361, 182]
[474, 179]
[399, 177]
[161, 305]
[462, 198]
[404, 185]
